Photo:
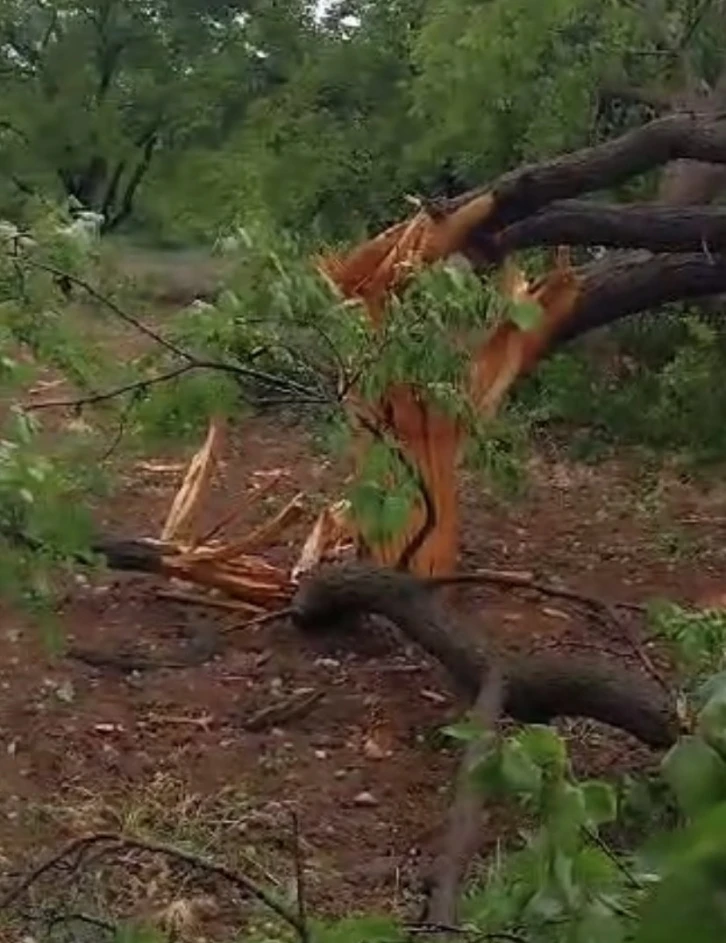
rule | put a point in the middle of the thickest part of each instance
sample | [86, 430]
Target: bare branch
[138, 386]
[118, 842]
[528, 189]
[655, 227]
[536, 689]
[463, 832]
[298, 392]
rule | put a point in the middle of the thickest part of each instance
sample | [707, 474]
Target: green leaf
[527, 315]
[600, 802]
[545, 906]
[687, 905]
[713, 687]
[518, 770]
[368, 929]
[712, 723]
[696, 773]
[544, 747]
[486, 774]
[467, 730]
[599, 924]
[567, 816]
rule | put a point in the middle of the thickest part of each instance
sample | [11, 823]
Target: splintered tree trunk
[683, 257]
[430, 439]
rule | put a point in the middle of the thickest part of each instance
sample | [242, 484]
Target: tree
[93, 92]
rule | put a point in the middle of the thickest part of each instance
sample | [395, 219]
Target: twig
[120, 430]
[137, 386]
[202, 722]
[593, 837]
[257, 621]
[524, 580]
[300, 391]
[212, 602]
[236, 878]
[462, 836]
[304, 932]
[416, 929]
[291, 708]
[98, 922]
[113, 306]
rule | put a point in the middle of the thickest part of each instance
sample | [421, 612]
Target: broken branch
[658, 228]
[524, 191]
[462, 835]
[537, 689]
[119, 842]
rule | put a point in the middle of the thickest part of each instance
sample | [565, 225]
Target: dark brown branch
[658, 228]
[298, 392]
[514, 579]
[463, 832]
[524, 191]
[537, 689]
[236, 878]
[138, 386]
[617, 288]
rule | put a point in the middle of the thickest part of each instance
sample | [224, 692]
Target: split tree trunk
[534, 206]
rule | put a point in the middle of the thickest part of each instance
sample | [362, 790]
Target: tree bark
[655, 227]
[536, 689]
[528, 189]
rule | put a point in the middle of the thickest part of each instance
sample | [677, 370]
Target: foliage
[698, 637]
[565, 882]
[652, 386]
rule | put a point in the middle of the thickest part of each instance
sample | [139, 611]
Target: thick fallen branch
[537, 689]
[527, 189]
[614, 289]
[658, 228]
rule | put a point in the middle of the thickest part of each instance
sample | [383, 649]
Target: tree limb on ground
[537, 689]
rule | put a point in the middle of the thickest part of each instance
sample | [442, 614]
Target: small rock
[365, 800]
[66, 692]
[327, 663]
[321, 755]
[373, 750]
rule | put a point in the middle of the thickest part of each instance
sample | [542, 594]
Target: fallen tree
[536, 689]
[533, 206]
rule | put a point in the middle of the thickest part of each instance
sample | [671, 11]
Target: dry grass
[155, 891]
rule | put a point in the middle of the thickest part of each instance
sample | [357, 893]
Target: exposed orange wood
[509, 352]
[195, 484]
[430, 438]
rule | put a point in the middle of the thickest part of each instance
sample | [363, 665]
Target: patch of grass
[227, 827]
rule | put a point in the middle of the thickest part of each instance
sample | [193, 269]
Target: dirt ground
[166, 753]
